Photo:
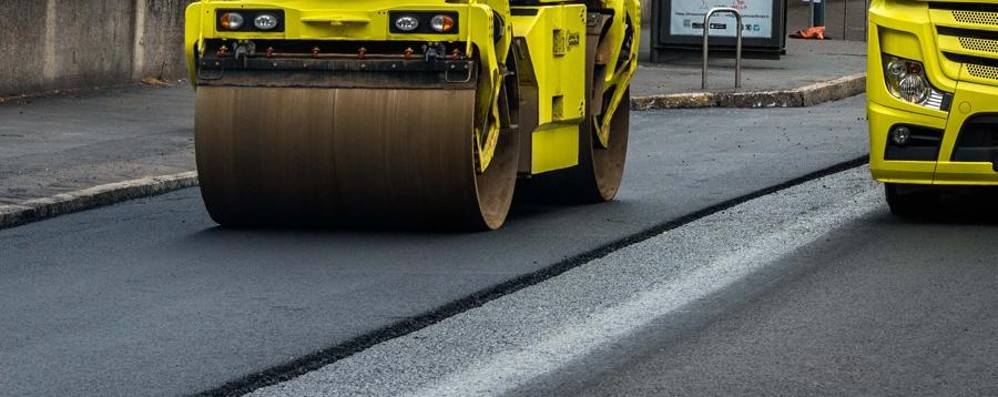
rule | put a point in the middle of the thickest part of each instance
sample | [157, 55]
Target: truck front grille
[976, 17]
[984, 45]
[968, 34]
[983, 72]
[978, 140]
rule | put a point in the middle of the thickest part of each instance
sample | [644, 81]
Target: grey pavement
[148, 297]
[806, 62]
[62, 143]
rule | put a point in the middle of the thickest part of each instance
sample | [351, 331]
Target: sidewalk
[58, 145]
[807, 63]
[69, 152]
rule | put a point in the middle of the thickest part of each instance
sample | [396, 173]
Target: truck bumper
[957, 145]
[974, 108]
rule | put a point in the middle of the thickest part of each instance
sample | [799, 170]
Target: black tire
[906, 203]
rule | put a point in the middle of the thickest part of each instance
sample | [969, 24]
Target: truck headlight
[907, 81]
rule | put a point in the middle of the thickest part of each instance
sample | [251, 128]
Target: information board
[687, 18]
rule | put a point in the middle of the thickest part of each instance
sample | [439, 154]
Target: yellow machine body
[555, 37]
[548, 79]
[954, 134]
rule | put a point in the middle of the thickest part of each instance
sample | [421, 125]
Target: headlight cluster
[423, 22]
[907, 81]
[251, 20]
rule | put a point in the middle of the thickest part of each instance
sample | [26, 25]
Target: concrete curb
[98, 196]
[799, 97]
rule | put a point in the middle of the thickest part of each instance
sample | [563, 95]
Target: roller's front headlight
[244, 20]
[231, 21]
[407, 23]
[266, 21]
[907, 81]
[442, 23]
[423, 22]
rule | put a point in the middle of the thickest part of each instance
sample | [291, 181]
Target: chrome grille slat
[935, 100]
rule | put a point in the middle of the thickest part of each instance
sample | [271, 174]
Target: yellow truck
[420, 113]
[932, 87]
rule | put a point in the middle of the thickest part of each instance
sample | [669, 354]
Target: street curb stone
[806, 96]
[98, 196]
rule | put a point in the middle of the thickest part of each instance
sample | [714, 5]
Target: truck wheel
[910, 204]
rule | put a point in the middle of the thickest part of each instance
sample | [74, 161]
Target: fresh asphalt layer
[511, 345]
[879, 307]
[812, 290]
[149, 298]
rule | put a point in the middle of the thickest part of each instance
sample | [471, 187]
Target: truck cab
[932, 92]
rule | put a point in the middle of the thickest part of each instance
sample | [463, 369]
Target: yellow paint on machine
[930, 33]
[556, 38]
[535, 98]
[555, 146]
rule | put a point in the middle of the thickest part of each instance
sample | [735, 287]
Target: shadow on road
[959, 206]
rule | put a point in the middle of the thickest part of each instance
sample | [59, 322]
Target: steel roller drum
[348, 156]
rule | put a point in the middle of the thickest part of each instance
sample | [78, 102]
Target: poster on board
[757, 16]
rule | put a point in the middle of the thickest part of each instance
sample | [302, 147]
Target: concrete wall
[62, 44]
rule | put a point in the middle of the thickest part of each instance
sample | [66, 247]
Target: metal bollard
[811, 15]
[738, 44]
[866, 22]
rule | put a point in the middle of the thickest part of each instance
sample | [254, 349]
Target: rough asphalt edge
[98, 196]
[321, 358]
[806, 96]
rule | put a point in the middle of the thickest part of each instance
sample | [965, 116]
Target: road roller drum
[406, 114]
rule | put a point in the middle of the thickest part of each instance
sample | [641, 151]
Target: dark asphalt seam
[319, 359]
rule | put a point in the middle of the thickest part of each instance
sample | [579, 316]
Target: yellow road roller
[422, 113]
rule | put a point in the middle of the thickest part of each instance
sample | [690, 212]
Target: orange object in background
[813, 33]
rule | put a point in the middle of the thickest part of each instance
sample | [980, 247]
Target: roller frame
[503, 103]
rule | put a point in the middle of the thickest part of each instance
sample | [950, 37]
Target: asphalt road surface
[149, 298]
[880, 307]
[812, 290]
